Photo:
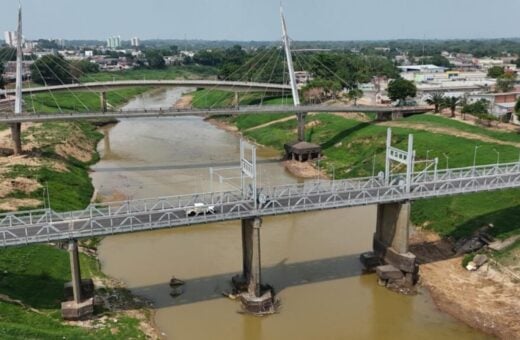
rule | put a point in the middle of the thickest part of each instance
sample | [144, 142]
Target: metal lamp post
[475, 156]
[498, 156]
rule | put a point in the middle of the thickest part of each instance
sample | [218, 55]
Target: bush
[467, 259]
[479, 107]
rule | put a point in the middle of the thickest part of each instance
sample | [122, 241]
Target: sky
[259, 19]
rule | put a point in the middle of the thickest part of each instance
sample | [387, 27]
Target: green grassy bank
[32, 277]
[352, 148]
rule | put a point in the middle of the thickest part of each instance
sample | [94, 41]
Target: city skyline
[242, 21]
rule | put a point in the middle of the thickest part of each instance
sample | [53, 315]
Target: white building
[421, 69]
[114, 42]
[135, 42]
[10, 38]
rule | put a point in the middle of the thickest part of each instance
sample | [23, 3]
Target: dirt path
[285, 119]
[448, 131]
[348, 115]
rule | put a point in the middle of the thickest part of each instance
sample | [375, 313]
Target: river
[311, 259]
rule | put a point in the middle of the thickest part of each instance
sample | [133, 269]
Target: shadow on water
[181, 166]
[280, 276]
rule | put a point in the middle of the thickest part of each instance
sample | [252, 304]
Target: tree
[208, 58]
[79, 68]
[517, 107]
[506, 83]
[155, 59]
[495, 72]
[7, 54]
[174, 49]
[400, 89]
[51, 69]
[452, 103]
[438, 60]
[318, 90]
[437, 100]
[480, 107]
[355, 94]
[48, 44]
[517, 62]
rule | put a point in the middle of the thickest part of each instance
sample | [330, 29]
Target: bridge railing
[148, 214]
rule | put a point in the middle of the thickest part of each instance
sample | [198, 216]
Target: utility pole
[16, 128]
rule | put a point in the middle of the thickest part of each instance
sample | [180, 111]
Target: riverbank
[486, 299]
[57, 157]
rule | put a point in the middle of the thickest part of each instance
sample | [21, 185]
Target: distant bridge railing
[174, 112]
[238, 86]
[102, 219]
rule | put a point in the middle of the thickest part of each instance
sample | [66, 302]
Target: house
[302, 78]
[500, 104]
[421, 69]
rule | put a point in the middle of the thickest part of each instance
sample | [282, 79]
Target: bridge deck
[169, 112]
[41, 226]
[237, 86]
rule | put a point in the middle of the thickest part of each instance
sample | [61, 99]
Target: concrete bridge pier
[390, 245]
[103, 101]
[236, 100]
[301, 126]
[388, 116]
[78, 293]
[256, 298]
[16, 136]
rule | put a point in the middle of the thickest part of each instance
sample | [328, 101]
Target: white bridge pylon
[247, 168]
[406, 158]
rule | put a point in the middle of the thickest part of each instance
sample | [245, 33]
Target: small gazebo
[302, 151]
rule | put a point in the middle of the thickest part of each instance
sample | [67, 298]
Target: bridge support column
[301, 126]
[75, 270]
[103, 101]
[237, 100]
[81, 305]
[16, 136]
[391, 246]
[256, 298]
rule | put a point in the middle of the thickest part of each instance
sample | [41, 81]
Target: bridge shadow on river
[280, 276]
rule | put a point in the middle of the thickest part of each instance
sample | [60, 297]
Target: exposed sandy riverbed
[486, 299]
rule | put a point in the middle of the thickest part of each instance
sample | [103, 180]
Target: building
[135, 42]
[114, 42]
[10, 70]
[421, 69]
[10, 38]
[500, 104]
[302, 78]
[487, 63]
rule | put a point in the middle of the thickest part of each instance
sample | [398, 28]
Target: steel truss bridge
[45, 225]
[172, 112]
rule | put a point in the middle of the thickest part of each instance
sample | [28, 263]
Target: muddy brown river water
[311, 259]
